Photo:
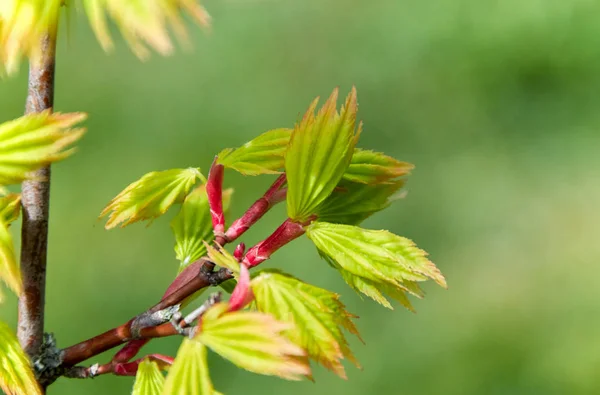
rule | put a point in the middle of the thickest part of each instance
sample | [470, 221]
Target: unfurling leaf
[193, 225]
[150, 196]
[318, 316]
[10, 208]
[189, 373]
[370, 167]
[252, 341]
[351, 203]
[16, 376]
[388, 262]
[222, 258]
[143, 22]
[34, 140]
[262, 155]
[242, 294]
[23, 24]
[148, 380]
[318, 154]
[9, 269]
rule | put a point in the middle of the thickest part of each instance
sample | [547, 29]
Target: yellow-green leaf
[149, 380]
[319, 152]
[370, 167]
[189, 373]
[193, 225]
[34, 140]
[262, 155]
[222, 258]
[253, 341]
[16, 376]
[9, 269]
[143, 22]
[10, 207]
[23, 24]
[375, 255]
[318, 315]
[375, 290]
[351, 202]
[150, 196]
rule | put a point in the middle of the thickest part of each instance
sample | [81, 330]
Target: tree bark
[35, 203]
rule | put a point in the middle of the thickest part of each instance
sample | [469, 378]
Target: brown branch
[98, 344]
[35, 202]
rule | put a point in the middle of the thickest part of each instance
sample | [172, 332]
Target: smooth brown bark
[35, 202]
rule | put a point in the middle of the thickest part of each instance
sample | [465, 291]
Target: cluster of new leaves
[143, 24]
[26, 144]
[274, 323]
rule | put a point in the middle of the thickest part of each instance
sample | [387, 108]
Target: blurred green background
[497, 104]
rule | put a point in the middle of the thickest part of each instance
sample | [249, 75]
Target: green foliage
[34, 140]
[143, 22]
[23, 23]
[10, 207]
[9, 269]
[16, 376]
[222, 258]
[388, 262]
[149, 380]
[370, 167]
[318, 316]
[189, 373]
[150, 196]
[193, 225]
[351, 202]
[253, 341]
[262, 155]
[319, 153]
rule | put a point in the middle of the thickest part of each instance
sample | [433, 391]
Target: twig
[35, 201]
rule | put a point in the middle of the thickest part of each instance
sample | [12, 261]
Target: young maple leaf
[252, 341]
[374, 261]
[319, 153]
[35, 140]
[317, 314]
[189, 373]
[148, 380]
[16, 375]
[23, 24]
[143, 22]
[150, 196]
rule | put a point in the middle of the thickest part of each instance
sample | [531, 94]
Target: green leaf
[222, 258]
[149, 380]
[318, 154]
[228, 285]
[262, 155]
[150, 196]
[193, 225]
[35, 140]
[370, 167]
[23, 25]
[318, 316]
[16, 376]
[375, 290]
[189, 373]
[389, 262]
[252, 341]
[351, 202]
[10, 208]
[143, 22]
[9, 269]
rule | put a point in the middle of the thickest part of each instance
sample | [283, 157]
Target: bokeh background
[497, 104]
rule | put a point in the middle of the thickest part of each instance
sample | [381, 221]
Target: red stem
[257, 210]
[286, 232]
[214, 191]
